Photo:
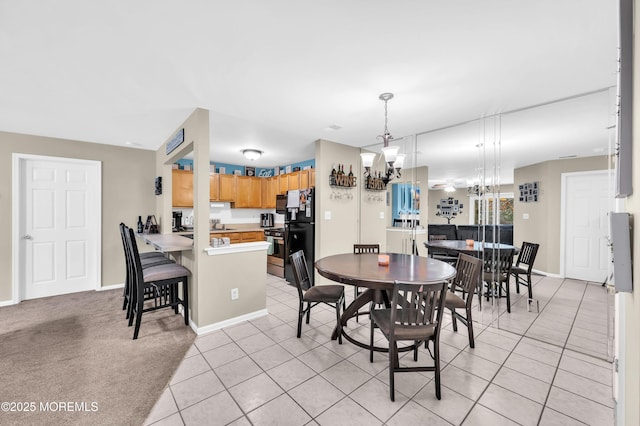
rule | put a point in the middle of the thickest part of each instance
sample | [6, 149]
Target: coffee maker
[177, 221]
[266, 220]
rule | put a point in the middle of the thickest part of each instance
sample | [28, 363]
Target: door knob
[28, 237]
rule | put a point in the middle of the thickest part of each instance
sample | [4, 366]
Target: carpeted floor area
[71, 360]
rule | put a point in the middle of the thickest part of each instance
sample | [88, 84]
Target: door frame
[563, 208]
[17, 218]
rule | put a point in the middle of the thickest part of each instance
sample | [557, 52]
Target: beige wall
[543, 225]
[127, 191]
[462, 195]
[338, 234]
[629, 303]
[435, 195]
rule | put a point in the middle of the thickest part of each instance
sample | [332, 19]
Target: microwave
[281, 204]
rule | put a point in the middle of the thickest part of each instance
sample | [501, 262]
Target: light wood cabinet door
[274, 190]
[294, 180]
[182, 188]
[248, 192]
[252, 236]
[227, 187]
[312, 178]
[284, 184]
[214, 187]
[264, 188]
[234, 237]
[303, 176]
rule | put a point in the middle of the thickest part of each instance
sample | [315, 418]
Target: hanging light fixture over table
[394, 161]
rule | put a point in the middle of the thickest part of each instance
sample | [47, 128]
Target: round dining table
[364, 271]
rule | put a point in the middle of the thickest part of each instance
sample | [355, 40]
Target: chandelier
[479, 190]
[393, 160]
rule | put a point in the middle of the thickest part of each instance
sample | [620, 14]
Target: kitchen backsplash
[227, 215]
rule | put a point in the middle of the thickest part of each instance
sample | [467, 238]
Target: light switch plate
[327, 215]
[381, 215]
[525, 215]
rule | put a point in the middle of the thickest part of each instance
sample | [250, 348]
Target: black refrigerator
[299, 230]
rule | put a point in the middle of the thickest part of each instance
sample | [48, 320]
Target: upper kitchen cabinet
[307, 178]
[182, 188]
[270, 187]
[284, 184]
[214, 187]
[227, 188]
[248, 192]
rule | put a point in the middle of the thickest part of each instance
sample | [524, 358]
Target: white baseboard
[228, 322]
[546, 274]
[8, 303]
[111, 287]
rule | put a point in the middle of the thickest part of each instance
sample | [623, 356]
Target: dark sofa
[503, 233]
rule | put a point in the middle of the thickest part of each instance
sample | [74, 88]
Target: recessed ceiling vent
[568, 156]
[333, 127]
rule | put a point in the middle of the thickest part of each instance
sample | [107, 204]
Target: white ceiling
[275, 75]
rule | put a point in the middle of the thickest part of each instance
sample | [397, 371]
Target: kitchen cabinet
[227, 188]
[269, 191]
[284, 184]
[252, 236]
[293, 180]
[234, 237]
[240, 237]
[214, 187]
[307, 178]
[248, 192]
[182, 188]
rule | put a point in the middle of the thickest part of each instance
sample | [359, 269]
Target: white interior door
[588, 200]
[59, 226]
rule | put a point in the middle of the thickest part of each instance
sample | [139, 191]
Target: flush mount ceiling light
[251, 154]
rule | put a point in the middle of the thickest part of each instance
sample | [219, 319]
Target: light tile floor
[531, 370]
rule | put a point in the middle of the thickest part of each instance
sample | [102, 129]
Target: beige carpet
[74, 352]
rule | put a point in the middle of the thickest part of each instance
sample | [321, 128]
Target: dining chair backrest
[467, 273]
[416, 305]
[300, 272]
[527, 255]
[498, 261]
[437, 237]
[366, 248]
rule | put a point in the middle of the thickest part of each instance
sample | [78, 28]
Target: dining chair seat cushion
[453, 301]
[165, 272]
[519, 270]
[382, 318]
[155, 261]
[493, 277]
[323, 293]
[151, 254]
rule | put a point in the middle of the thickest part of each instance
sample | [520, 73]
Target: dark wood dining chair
[361, 249]
[461, 291]
[146, 259]
[157, 284]
[330, 295]
[415, 315]
[524, 266]
[497, 272]
[440, 255]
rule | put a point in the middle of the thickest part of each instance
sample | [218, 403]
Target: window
[483, 210]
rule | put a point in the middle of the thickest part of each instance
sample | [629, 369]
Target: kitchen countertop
[233, 228]
[167, 242]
